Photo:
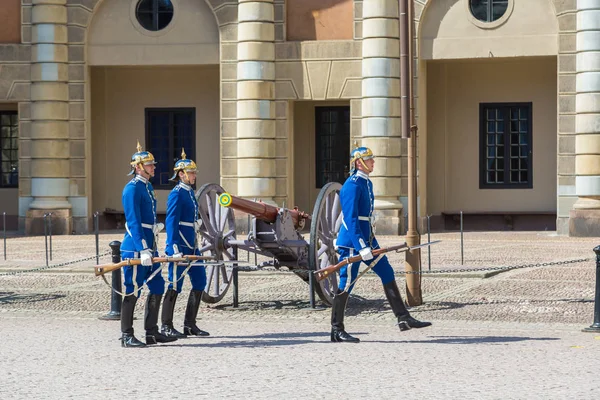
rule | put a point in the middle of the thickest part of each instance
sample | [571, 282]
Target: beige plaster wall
[119, 97]
[449, 30]
[318, 70]
[15, 72]
[454, 91]
[116, 37]
[304, 169]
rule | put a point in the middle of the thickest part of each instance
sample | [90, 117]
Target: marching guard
[140, 241]
[182, 224]
[356, 236]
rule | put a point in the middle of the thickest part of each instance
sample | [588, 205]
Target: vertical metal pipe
[462, 250]
[97, 233]
[4, 225]
[46, 236]
[248, 233]
[595, 327]
[254, 235]
[404, 68]
[409, 129]
[429, 241]
[50, 232]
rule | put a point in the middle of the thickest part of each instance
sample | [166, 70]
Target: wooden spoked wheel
[217, 228]
[325, 225]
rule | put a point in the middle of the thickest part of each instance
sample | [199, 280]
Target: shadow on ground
[477, 339]
[7, 298]
[300, 338]
[360, 305]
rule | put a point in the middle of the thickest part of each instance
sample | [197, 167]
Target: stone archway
[135, 81]
[565, 14]
[61, 173]
[161, 88]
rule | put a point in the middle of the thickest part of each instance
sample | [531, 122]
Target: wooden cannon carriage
[273, 232]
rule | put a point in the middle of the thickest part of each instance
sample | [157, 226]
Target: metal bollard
[311, 289]
[4, 225]
[50, 233]
[595, 327]
[429, 241]
[46, 237]
[115, 298]
[236, 297]
[462, 250]
[96, 232]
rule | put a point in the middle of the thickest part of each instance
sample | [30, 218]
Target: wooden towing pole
[409, 131]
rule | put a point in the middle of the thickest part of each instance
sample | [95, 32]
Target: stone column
[49, 118]
[256, 106]
[381, 107]
[585, 216]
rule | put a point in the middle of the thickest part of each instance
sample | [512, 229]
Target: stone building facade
[270, 95]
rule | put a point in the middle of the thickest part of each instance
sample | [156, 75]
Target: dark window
[488, 10]
[167, 131]
[505, 146]
[332, 143]
[9, 143]
[154, 15]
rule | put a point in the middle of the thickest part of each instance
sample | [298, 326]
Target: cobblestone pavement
[516, 334]
[68, 356]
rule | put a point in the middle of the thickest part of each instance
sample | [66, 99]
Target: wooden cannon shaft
[260, 210]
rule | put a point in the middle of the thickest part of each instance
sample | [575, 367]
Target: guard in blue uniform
[356, 236]
[182, 226]
[140, 242]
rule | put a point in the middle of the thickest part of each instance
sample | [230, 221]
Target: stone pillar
[381, 107]
[585, 216]
[256, 106]
[49, 118]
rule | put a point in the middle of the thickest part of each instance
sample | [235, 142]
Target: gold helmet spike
[184, 164]
[141, 157]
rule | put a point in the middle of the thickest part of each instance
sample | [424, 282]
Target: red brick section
[319, 19]
[10, 21]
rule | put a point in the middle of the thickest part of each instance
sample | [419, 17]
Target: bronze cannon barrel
[260, 210]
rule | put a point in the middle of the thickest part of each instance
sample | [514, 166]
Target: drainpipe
[409, 131]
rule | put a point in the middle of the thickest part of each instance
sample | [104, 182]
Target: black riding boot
[405, 321]
[191, 311]
[168, 308]
[338, 334]
[153, 336]
[127, 308]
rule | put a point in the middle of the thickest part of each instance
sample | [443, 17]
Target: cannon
[274, 232]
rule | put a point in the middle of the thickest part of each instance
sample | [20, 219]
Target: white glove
[177, 255]
[146, 257]
[198, 224]
[158, 228]
[366, 254]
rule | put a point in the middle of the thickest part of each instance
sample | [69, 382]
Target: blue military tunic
[356, 233]
[182, 214]
[358, 203]
[139, 204]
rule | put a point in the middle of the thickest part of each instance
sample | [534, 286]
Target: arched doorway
[488, 113]
[154, 76]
